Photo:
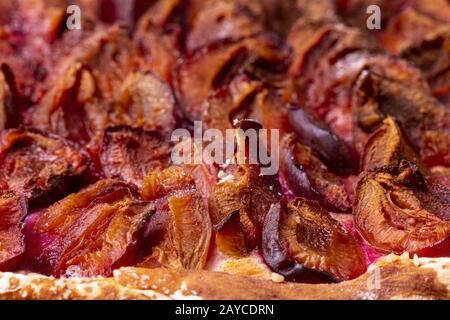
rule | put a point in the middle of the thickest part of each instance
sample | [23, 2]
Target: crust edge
[393, 277]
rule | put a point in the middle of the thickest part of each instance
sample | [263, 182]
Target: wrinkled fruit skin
[307, 176]
[158, 38]
[131, 153]
[228, 20]
[423, 118]
[396, 210]
[147, 101]
[178, 235]
[248, 195]
[108, 213]
[79, 98]
[235, 101]
[387, 146]
[13, 209]
[207, 70]
[304, 243]
[41, 166]
[318, 136]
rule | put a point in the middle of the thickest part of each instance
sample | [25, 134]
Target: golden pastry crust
[393, 277]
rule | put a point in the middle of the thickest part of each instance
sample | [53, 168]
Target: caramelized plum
[158, 40]
[78, 94]
[424, 120]
[215, 66]
[400, 16]
[179, 234]
[164, 12]
[107, 53]
[327, 41]
[131, 153]
[24, 72]
[202, 172]
[397, 210]
[431, 56]
[247, 97]
[304, 243]
[328, 59]
[281, 15]
[41, 167]
[71, 108]
[308, 177]
[30, 29]
[190, 230]
[271, 107]
[161, 183]
[428, 46]
[395, 36]
[245, 191]
[93, 231]
[216, 21]
[13, 209]
[74, 110]
[235, 101]
[387, 146]
[205, 177]
[318, 136]
[147, 101]
[230, 237]
[195, 77]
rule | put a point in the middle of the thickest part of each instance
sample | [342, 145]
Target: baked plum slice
[75, 109]
[423, 118]
[158, 39]
[427, 48]
[131, 153]
[77, 96]
[247, 97]
[238, 205]
[207, 70]
[225, 20]
[431, 57]
[147, 101]
[178, 234]
[396, 209]
[271, 106]
[327, 65]
[230, 102]
[104, 48]
[162, 183]
[203, 173]
[40, 166]
[71, 108]
[317, 135]
[307, 176]
[304, 243]
[388, 146]
[89, 233]
[13, 209]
